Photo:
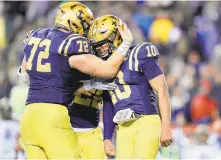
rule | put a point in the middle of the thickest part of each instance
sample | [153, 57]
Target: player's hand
[23, 77]
[125, 33]
[127, 40]
[109, 148]
[93, 84]
[166, 136]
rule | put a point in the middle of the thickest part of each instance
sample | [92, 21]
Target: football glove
[98, 84]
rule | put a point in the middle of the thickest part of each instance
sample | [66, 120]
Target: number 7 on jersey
[36, 42]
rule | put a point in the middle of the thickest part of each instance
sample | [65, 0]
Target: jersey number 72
[36, 42]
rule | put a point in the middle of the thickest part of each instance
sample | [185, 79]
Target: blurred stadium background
[188, 37]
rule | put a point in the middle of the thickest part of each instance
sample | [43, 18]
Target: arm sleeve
[76, 45]
[151, 69]
[108, 115]
[144, 58]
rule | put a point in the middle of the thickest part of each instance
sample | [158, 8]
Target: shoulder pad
[74, 44]
[25, 41]
[142, 51]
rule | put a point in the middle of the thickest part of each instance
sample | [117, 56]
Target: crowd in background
[188, 37]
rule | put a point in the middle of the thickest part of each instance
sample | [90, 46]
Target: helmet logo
[103, 30]
[114, 23]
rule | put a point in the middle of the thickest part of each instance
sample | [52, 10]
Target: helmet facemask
[111, 48]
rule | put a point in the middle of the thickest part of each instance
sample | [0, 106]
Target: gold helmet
[104, 30]
[74, 17]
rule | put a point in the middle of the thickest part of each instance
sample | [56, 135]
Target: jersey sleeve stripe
[131, 57]
[136, 57]
[69, 43]
[62, 44]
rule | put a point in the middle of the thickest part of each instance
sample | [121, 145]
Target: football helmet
[104, 30]
[74, 17]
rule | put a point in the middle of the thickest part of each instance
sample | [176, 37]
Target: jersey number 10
[36, 42]
[117, 93]
[152, 51]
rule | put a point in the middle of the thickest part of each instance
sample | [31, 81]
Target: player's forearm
[113, 64]
[92, 65]
[23, 66]
[108, 115]
[95, 66]
[109, 126]
[165, 109]
[107, 69]
[159, 84]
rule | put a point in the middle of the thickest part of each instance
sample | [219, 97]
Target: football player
[132, 106]
[85, 116]
[54, 60]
